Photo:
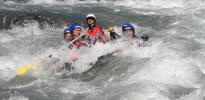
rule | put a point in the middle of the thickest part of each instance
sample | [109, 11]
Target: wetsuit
[114, 35]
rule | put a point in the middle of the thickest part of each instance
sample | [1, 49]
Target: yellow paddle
[25, 68]
[38, 65]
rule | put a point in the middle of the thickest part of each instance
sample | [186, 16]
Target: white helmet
[91, 16]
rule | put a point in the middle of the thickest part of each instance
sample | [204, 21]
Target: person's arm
[116, 34]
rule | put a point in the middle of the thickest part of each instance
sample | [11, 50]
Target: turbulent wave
[171, 68]
[132, 3]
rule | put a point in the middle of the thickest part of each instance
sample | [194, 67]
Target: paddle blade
[37, 66]
[23, 70]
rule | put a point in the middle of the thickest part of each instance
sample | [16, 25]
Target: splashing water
[170, 68]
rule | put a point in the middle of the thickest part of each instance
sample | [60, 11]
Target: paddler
[129, 36]
[113, 34]
[78, 39]
[68, 35]
[94, 32]
[129, 31]
[73, 38]
[75, 29]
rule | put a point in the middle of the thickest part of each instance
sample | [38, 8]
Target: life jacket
[97, 33]
[78, 43]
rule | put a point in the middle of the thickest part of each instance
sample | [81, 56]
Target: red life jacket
[97, 32]
[78, 43]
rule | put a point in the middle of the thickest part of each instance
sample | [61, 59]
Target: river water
[170, 68]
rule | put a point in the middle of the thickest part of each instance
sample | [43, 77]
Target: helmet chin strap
[92, 25]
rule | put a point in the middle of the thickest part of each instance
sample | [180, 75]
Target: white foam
[30, 29]
[6, 38]
[196, 95]
[18, 55]
[65, 2]
[18, 98]
[146, 4]
[167, 66]
[7, 68]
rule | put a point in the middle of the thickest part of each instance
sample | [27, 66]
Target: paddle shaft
[76, 38]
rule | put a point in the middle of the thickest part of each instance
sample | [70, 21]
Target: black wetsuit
[145, 37]
[114, 35]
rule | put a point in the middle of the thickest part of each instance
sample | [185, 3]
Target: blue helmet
[128, 27]
[74, 26]
[67, 30]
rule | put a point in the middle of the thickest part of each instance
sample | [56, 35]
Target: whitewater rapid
[170, 68]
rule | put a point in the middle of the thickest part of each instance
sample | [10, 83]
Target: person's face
[110, 29]
[91, 21]
[68, 36]
[129, 33]
[76, 32]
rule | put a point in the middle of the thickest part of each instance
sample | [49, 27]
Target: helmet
[74, 26]
[145, 37]
[67, 30]
[91, 16]
[128, 27]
